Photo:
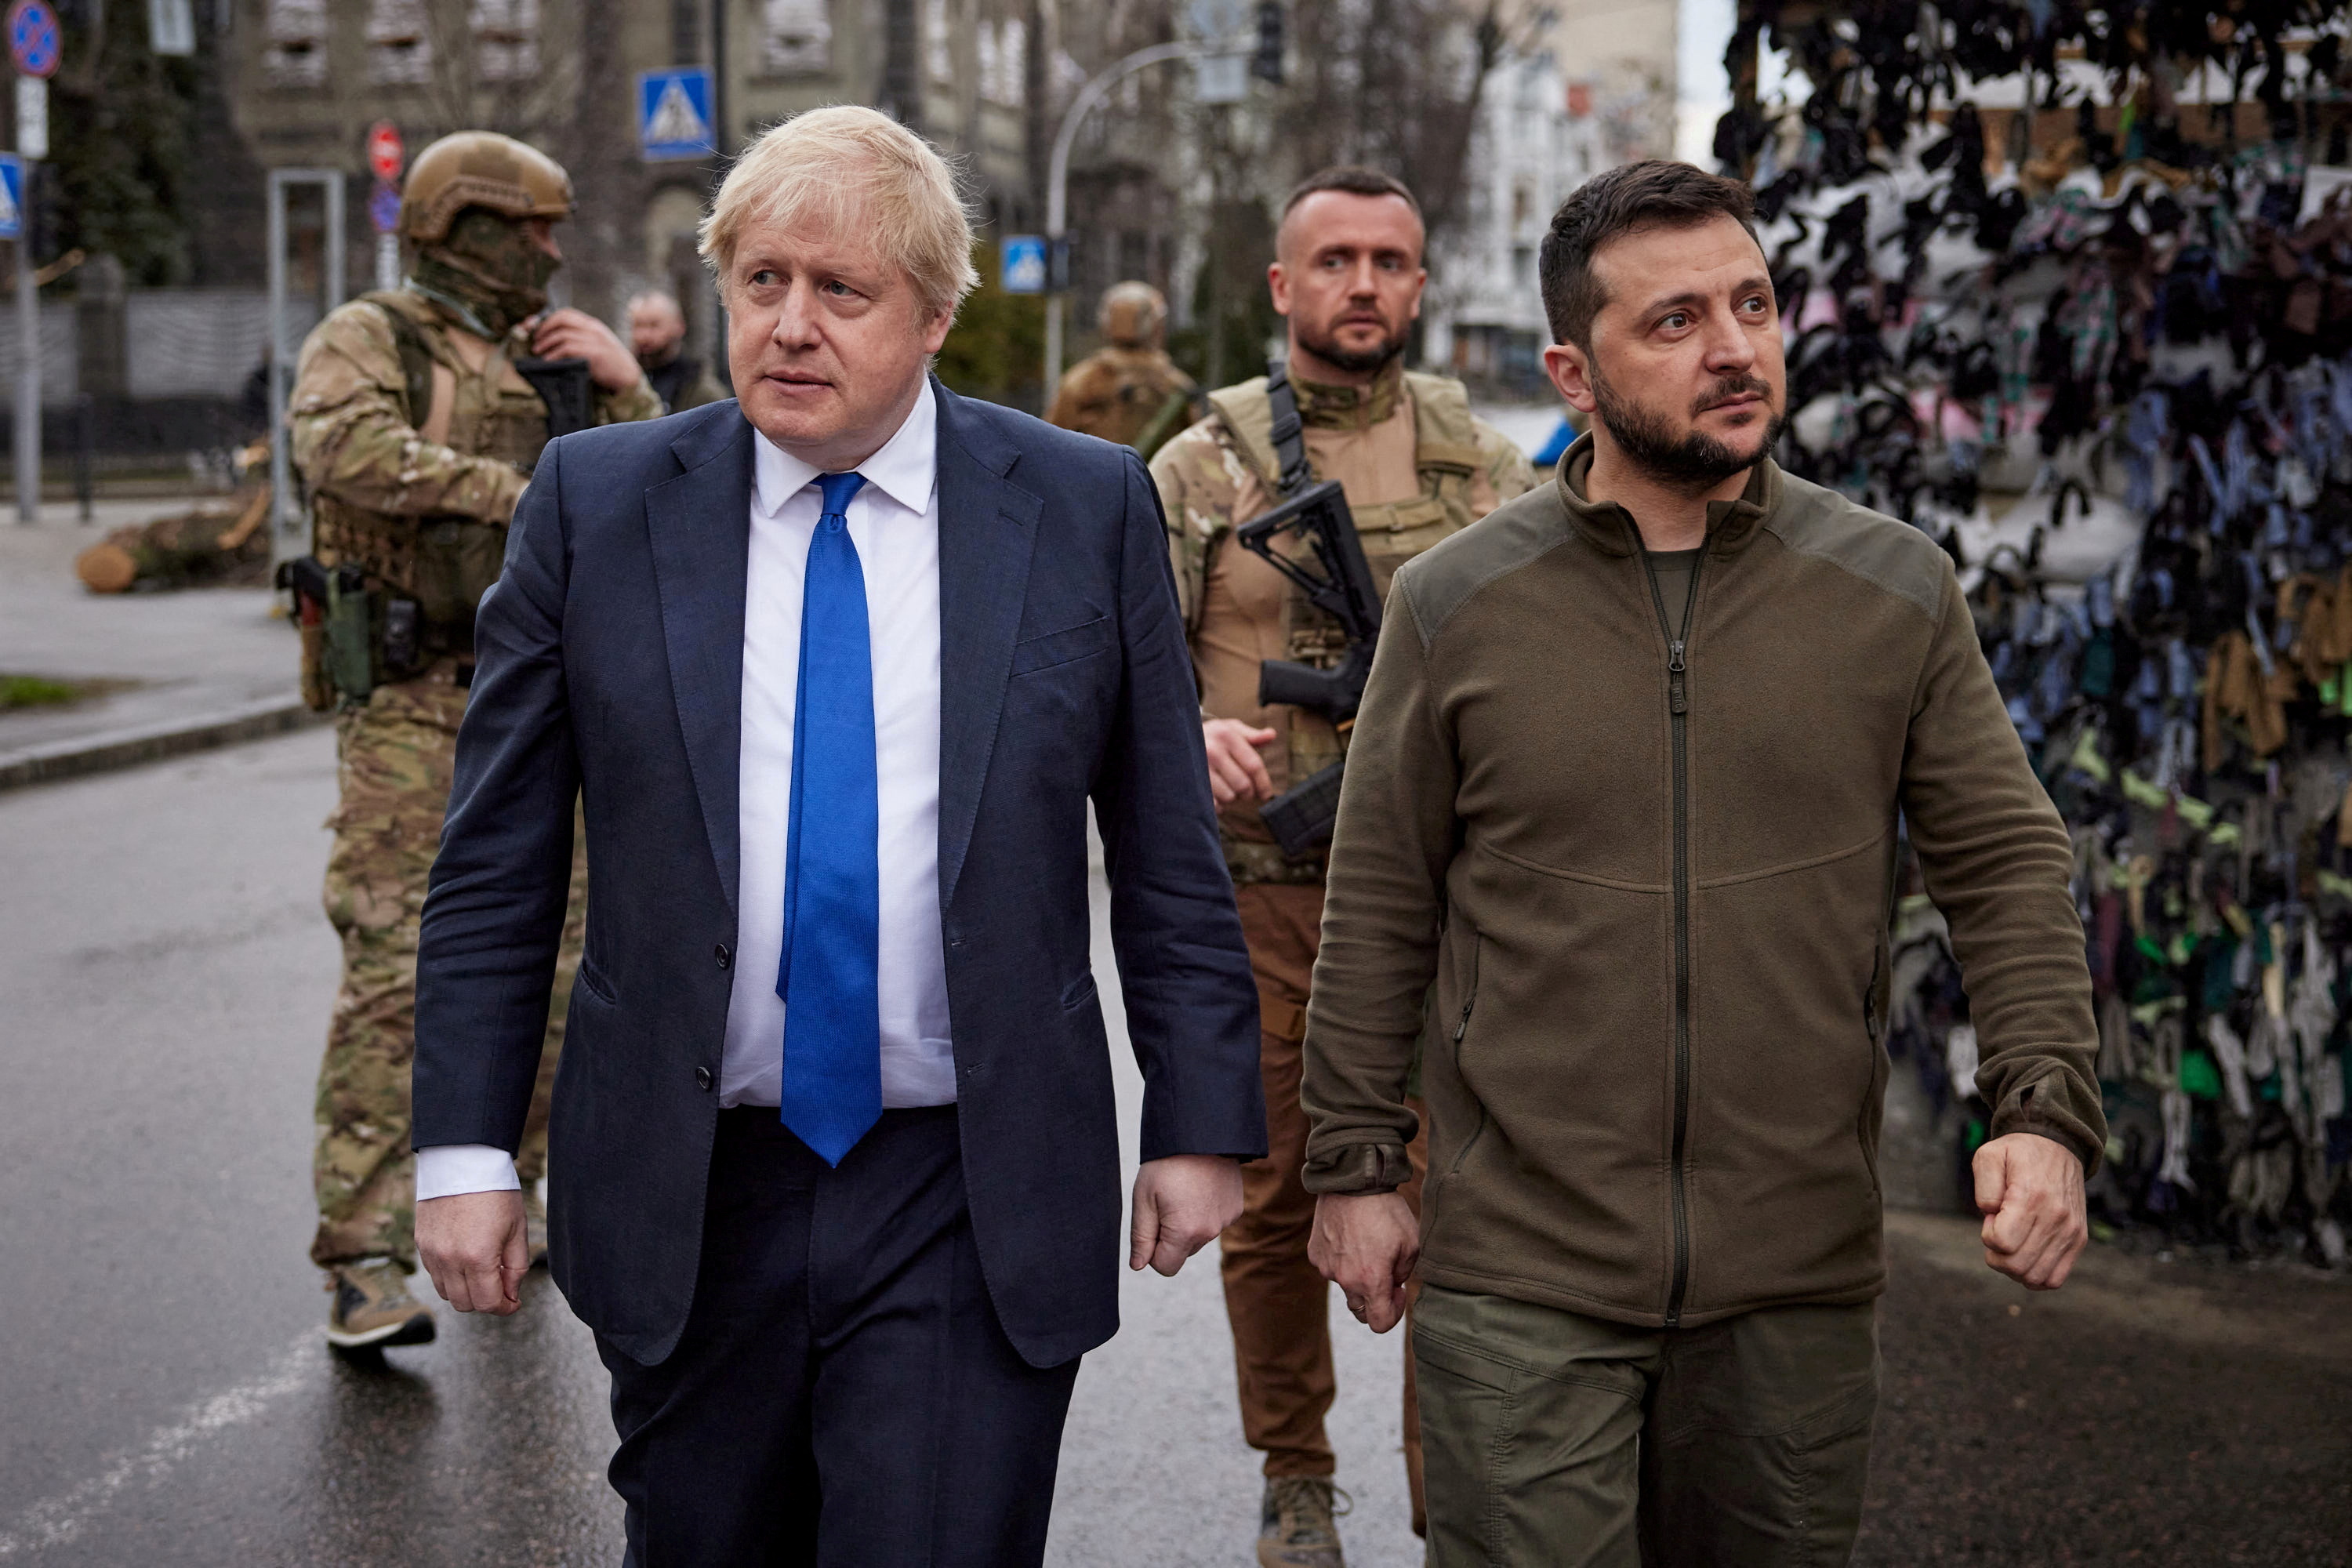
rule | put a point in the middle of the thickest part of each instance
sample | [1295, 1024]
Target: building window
[1004, 62]
[795, 36]
[399, 43]
[938, 43]
[506, 39]
[295, 51]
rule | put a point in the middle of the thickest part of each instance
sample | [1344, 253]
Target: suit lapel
[988, 526]
[700, 525]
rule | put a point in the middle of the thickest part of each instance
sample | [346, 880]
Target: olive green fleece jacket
[1653, 901]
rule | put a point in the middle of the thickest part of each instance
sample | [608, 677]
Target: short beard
[1355, 362]
[1688, 460]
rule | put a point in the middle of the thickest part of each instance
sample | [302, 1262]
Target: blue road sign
[383, 206]
[34, 41]
[12, 197]
[674, 115]
[1022, 264]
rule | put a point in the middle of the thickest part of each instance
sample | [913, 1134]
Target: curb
[129, 748]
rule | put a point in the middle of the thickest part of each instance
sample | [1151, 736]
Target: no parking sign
[35, 43]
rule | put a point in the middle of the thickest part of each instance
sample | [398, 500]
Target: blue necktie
[832, 1029]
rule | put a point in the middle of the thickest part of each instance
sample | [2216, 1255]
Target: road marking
[55, 1522]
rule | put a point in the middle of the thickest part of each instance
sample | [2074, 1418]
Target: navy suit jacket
[610, 665]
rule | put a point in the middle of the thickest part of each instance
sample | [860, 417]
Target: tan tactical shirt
[1241, 612]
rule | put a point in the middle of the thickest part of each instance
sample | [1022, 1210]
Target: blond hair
[845, 165]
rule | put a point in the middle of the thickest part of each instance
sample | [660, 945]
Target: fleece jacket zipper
[1678, 716]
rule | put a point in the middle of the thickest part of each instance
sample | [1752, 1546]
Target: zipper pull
[1463, 1027]
[1675, 658]
[1676, 700]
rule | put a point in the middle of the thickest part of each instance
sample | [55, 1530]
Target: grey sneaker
[1294, 1526]
[534, 1220]
[372, 1307]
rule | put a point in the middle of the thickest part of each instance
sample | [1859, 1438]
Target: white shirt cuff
[445, 1169]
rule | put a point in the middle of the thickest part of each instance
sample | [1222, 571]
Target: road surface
[165, 980]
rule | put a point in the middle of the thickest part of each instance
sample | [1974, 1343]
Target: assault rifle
[562, 385]
[1338, 583]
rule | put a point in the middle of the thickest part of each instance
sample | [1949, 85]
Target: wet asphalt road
[165, 980]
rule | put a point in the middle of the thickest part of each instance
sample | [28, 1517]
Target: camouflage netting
[2104, 352]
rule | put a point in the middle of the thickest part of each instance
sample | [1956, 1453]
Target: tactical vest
[1444, 455]
[444, 562]
[1446, 460]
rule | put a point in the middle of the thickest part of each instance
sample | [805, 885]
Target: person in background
[1416, 467]
[415, 435]
[1129, 390]
[657, 334]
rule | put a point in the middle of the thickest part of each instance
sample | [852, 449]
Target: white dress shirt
[894, 521]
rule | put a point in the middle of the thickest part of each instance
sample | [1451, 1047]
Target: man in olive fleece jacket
[1626, 786]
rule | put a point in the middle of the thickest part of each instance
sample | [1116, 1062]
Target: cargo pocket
[1873, 1024]
[1457, 1035]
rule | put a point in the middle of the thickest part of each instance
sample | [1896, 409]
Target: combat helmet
[479, 169]
[1133, 314]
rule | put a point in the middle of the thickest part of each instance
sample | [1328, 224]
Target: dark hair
[1354, 178]
[1653, 193]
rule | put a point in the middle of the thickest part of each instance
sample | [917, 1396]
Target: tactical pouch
[457, 562]
[1301, 817]
[349, 635]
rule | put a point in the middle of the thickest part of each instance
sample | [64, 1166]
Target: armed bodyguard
[1289, 508]
[416, 417]
[1129, 390]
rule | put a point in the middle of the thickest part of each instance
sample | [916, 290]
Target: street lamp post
[1058, 173]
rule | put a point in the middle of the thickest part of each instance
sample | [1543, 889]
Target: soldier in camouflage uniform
[1128, 391]
[415, 433]
[1416, 467]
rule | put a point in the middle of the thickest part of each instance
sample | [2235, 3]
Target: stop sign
[384, 151]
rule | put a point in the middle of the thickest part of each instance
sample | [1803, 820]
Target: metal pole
[287, 531]
[1057, 173]
[722, 145]
[283, 522]
[85, 453]
[330, 291]
[29, 365]
[719, 142]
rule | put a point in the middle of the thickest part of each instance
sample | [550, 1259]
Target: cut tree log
[218, 543]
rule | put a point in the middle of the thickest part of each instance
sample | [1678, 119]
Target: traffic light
[1266, 64]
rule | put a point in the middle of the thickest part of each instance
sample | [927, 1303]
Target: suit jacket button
[702, 1077]
[726, 959]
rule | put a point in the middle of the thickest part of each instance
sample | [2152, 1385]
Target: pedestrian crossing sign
[674, 115]
[1020, 265]
[12, 197]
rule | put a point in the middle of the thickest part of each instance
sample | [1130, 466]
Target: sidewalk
[206, 667]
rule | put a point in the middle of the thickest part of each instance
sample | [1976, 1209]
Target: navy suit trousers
[843, 1395]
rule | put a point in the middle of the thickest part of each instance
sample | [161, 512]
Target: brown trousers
[1278, 1305]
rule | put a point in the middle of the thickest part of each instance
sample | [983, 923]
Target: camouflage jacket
[359, 444]
[1417, 467]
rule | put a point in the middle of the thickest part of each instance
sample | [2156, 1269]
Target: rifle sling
[1288, 432]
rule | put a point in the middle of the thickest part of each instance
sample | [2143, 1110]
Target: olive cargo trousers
[395, 756]
[1552, 1438]
[1278, 1304]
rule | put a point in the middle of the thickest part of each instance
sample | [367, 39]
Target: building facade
[1539, 136]
[305, 79]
